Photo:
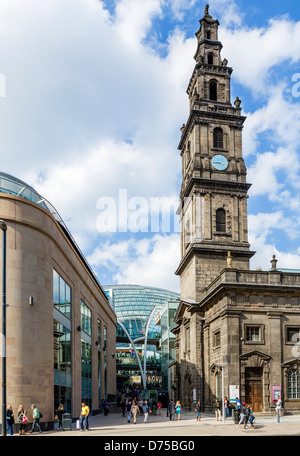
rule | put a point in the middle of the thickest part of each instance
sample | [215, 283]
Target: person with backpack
[36, 415]
[246, 413]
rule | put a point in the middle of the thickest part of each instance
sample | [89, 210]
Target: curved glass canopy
[136, 307]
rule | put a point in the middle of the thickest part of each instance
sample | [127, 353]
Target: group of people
[246, 414]
[174, 410]
[134, 406]
[243, 410]
[22, 419]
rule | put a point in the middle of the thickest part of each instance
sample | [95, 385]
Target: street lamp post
[3, 227]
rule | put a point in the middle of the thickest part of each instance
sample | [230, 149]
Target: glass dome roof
[134, 304]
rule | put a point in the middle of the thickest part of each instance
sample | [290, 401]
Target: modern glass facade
[166, 320]
[86, 354]
[62, 343]
[136, 308]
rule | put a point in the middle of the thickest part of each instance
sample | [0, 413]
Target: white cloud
[150, 261]
[278, 42]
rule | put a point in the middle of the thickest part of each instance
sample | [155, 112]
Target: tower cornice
[197, 116]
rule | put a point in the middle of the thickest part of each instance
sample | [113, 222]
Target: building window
[86, 319]
[86, 372]
[208, 34]
[221, 220]
[218, 386]
[99, 363]
[217, 339]
[61, 295]
[105, 360]
[187, 339]
[253, 333]
[62, 366]
[218, 138]
[292, 334]
[294, 384]
[213, 90]
[210, 58]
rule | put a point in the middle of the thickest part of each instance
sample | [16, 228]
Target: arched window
[208, 34]
[210, 58]
[220, 221]
[294, 384]
[218, 138]
[213, 90]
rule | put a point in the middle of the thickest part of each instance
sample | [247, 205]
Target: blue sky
[95, 95]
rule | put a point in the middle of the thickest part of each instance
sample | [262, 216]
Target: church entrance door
[254, 390]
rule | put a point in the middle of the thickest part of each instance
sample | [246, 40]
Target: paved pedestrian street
[115, 425]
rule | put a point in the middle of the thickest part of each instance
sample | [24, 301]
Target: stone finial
[273, 263]
[206, 10]
[183, 127]
[237, 102]
[229, 260]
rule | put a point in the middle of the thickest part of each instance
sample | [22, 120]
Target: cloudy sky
[92, 98]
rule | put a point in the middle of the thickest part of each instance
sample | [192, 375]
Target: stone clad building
[61, 330]
[230, 319]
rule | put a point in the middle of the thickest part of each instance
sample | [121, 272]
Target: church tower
[213, 197]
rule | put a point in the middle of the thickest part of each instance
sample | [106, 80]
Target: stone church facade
[231, 321]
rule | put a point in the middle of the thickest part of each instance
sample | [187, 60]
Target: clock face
[219, 162]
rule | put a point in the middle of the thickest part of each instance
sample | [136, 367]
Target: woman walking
[198, 410]
[178, 410]
[60, 412]
[22, 419]
[10, 419]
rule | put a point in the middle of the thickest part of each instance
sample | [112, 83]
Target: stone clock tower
[233, 327]
[213, 209]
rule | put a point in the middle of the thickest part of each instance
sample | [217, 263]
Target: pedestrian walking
[226, 407]
[146, 411]
[242, 415]
[123, 407]
[105, 407]
[10, 419]
[168, 407]
[251, 417]
[59, 414]
[36, 419]
[134, 411]
[198, 410]
[128, 407]
[217, 408]
[159, 406]
[171, 408]
[22, 419]
[238, 403]
[246, 412]
[178, 410]
[84, 417]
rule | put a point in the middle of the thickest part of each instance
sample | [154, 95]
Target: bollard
[278, 415]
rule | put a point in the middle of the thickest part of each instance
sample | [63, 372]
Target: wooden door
[254, 394]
